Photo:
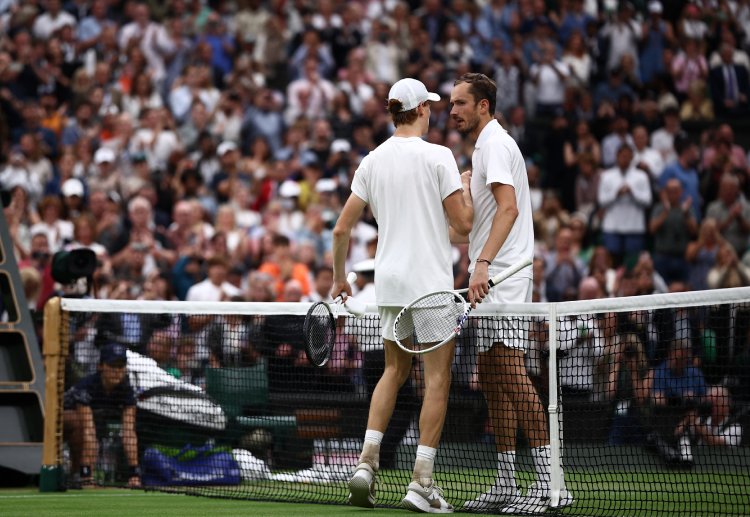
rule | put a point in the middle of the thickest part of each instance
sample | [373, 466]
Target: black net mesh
[651, 410]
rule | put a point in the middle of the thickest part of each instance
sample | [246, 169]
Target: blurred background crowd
[189, 140]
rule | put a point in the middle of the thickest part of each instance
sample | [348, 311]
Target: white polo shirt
[405, 181]
[497, 159]
[624, 213]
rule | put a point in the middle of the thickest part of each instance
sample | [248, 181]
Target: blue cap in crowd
[113, 353]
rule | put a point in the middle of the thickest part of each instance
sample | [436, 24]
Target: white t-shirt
[206, 291]
[497, 159]
[551, 87]
[405, 181]
[624, 213]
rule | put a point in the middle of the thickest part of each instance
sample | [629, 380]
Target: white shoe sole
[526, 508]
[417, 503]
[566, 499]
[485, 506]
[360, 494]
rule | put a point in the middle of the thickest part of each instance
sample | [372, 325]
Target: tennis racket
[434, 319]
[320, 328]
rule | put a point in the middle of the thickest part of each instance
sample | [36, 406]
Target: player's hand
[466, 179]
[687, 204]
[479, 284]
[341, 287]
[134, 482]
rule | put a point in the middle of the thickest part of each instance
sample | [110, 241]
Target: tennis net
[227, 405]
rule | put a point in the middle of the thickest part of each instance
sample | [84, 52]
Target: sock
[542, 465]
[423, 465]
[506, 469]
[371, 449]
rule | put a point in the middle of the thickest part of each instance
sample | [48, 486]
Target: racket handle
[356, 307]
[350, 278]
[510, 271]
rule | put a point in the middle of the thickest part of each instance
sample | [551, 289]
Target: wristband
[135, 470]
[489, 263]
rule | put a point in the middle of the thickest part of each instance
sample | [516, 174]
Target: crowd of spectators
[203, 148]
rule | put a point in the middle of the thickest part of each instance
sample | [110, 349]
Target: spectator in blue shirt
[678, 395]
[684, 169]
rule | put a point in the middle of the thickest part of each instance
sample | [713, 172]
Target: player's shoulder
[436, 149]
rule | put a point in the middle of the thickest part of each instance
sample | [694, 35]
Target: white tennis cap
[289, 189]
[226, 147]
[364, 266]
[411, 93]
[655, 7]
[72, 187]
[104, 154]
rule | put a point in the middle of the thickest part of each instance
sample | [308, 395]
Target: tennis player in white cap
[417, 196]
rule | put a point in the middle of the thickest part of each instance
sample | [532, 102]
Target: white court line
[88, 494]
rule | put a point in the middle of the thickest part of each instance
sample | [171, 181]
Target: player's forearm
[457, 238]
[502, 223]
[339, 248]
[130, 446]
[129, 436]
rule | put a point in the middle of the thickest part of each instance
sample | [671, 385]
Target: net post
[51, 477]
[554, 411]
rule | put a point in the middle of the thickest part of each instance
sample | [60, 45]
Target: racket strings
[431, 319]
[321, 334]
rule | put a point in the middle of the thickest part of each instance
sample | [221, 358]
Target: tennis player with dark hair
[502, 234]
[418, 198]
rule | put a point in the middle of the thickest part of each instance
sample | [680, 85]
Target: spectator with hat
[91, 403]
[107, 176]
[657, 35]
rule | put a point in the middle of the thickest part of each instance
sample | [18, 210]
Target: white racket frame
[459, 300]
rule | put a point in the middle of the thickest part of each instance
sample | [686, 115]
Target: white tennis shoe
[566, 499]
[362, 487]
[493, 499]
[426, 499]
[535, 501]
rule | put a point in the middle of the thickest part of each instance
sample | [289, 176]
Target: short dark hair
[281, 240]
[682, 142]
[480, 87]
[400, 117]
[322, 269]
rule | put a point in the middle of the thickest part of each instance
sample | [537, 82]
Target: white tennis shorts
[387, 319]
[512, 332]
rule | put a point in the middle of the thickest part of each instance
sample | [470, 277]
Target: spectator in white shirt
[153, 38]
[54, 19]
[618, 137]
[625, 196]
[663, 138]
[622, 34]
[310, 96]
[549, 76]
[646, 158]
[156, 137]
[215, 287]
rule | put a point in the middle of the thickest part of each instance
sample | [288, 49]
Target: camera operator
[678, 398]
